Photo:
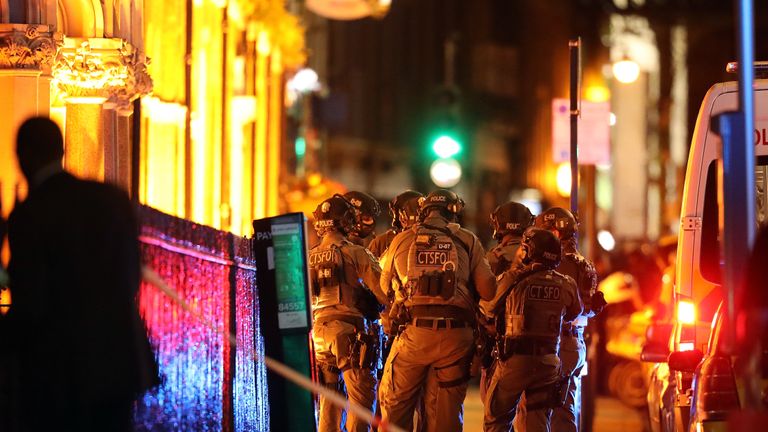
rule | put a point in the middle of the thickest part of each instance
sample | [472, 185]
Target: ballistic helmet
[367, 209]
[510, 218]
[560, 219]
[442, 199]
[364, 203]
[335, 213]
[540, 246]
[404, 209]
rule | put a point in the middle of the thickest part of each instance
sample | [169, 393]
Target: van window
[710, 232]
[761, 182]
[761, 200]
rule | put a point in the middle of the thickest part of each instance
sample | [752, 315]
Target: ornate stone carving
[111, 69]
[28, 46]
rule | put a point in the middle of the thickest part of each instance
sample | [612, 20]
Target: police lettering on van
[761, 136]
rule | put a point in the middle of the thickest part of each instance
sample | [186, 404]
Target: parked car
[716, 388]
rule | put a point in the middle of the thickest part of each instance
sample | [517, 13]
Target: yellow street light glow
[445, 173]
[686, 312]
[597, 93]
[626, 71]
[564, 179]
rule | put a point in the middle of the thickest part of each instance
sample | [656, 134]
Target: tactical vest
[534, 307]
[577, 267]
[330, 287]
[431, 272]
[501, 257]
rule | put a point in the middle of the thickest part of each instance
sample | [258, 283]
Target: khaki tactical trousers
[416, 351]
[511, 378]
[331, 341]
[573, 355]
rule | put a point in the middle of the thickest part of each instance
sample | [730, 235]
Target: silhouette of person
[79, 348]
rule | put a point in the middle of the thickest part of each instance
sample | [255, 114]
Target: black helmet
[540, 246]
[560, 219]
[441, 198]
[367, 210]
[364, 203]
[404, 209]
[335, 213]
[510, 218]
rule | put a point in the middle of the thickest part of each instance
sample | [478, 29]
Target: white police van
[698, 290]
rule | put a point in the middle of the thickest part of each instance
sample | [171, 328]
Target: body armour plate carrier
[330, 287]
[431, 274]
[534, 307]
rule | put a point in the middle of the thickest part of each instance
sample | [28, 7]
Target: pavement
[610, 415]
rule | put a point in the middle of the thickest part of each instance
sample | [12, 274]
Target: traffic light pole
[574, 46]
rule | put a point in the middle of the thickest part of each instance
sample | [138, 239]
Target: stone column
[99, 79]
[26, 54]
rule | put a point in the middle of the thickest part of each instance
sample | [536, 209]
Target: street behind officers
[437, 270]
[366, 211]
[573, 350]
[404, 210]
[346, 299]
[537, 300]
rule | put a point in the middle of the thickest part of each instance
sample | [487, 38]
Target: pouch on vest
[326, 270]
[515, 325]
[431, 270]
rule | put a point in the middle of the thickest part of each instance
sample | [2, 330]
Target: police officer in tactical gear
[345, 300]
[508, 221]
[367, 211]
[573, 350]
[536, 300]
[404, 210]
[437, 270]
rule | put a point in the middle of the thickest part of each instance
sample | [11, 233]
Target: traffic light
[445, 138]
[445, 171]
[445, 145]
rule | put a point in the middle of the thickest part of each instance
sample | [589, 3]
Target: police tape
[151, 277]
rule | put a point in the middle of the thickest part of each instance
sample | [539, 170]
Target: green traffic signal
[445, 146]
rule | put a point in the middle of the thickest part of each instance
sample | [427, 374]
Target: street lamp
[445, 172]
[626, 71]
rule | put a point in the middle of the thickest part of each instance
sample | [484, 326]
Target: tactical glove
[598, 302]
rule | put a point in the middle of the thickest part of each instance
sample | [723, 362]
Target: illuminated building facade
[179, 102]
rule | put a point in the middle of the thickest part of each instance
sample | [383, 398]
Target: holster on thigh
[329, 376]
[454, 374]
[551, 395]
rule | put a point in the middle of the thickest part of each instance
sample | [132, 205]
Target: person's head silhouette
[39, 147]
